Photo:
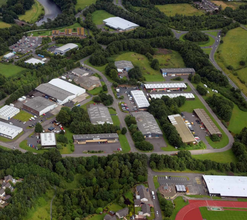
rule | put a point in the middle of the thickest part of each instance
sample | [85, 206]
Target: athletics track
[192, 211]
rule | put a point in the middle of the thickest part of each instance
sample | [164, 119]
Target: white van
[153, 193]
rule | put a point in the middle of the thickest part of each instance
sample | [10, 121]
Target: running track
[192, 212]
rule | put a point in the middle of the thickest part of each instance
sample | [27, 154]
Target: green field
[124, 143]
[225, 4]
[4, 25]
[99, 16]
[184, 9]
[23, 116]
[33, 14]
[179, 204]
[10, 70]
[210, 42]
[226, 215]
[95, 91]
[2, 2]
[81, 4]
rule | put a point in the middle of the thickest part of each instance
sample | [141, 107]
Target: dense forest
[239, 14]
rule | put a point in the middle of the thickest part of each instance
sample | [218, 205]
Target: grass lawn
[207, 50]
[210, 42]
[33, 14]
[214, 33]
[95, 91]
[112, 111]
[114, 207]
[204, 196]
[2, 2]
[184, 9]
[232, 5]
[96, 217]
[4, 139]
[23, 116]
[223, 157]
[226, 215]
[4, 148]
[4, 25]
[124, 143]
[100, 15]
[156, 182]
[179, 204]
[115, 120]
[129, 195]
[10, 70]
[83, 3]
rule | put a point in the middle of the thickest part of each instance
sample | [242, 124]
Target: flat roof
[8, 55]
[146, 123]
[173, 95]
[8, 111]
[207, 121]
[119, 23]
[79, 71]
[9, 130]
[165, 85]
[184, 132]
[233, 186]
[48, 139]
[140, 98]
[95, 136]
[177, 70]
[121, 64]
[99, 114]
[66, 47]
[34, 61]
[38, 103]
[180, 188]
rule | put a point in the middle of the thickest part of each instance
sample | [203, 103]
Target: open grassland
[210, 42]
[233, 5]
[179, 204]
[4, 25]
[23, 116]
[81, 4]
[184, 9]
[99, 16]
[10, 70]
[226, 215]
[33, 14]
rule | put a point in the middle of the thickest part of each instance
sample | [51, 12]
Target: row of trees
[104, 98]
[239, 14]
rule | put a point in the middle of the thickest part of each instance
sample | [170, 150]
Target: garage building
[34, 61]
[9, 131]
[120, 24]
[227, 186]
[140, 99]
[188, 96]
[99, 114]
[7, 112]
[177, 71]
[165, 86]
[39, 105]
[184, 132]
[207, 122]
[147, 124]
[96, 138]
[65, 48]
[48, 140]
[124, 65]
[88, 82]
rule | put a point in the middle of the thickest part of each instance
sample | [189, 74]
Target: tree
[99, 210]
[196, 79]
[201, 90]
[38, 128]
[64, 116]
[155, 64]
[242, 63]
[104, 87]
[215, 138]
[124, 130]
[135, 73]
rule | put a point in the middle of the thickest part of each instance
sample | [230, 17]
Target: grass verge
[23, 116]
[124, 143]
[156, 182]
[179, 204]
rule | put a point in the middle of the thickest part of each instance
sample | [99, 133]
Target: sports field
[232, 5]
[4, 25]
[184, 9]
[81, 4]
[99, 16]
[33, 14]
[10, 70]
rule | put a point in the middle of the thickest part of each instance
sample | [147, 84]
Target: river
[51, 11]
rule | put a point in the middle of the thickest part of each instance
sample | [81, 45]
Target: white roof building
[166, 86]
[9, 131]
[232, 186]
[63, 49]
[34, 61]
[140, 98]
[120, 23]
[8, 55]
[48, 139]
[7, 112]
[173, 95]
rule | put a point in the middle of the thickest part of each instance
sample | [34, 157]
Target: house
[2, 192]
[8, 178]
[137, 202]
[1, 202]
[7, 185]
[108, 217]
[6, 197]
[146, 210]
[142, 193]
[122, 213]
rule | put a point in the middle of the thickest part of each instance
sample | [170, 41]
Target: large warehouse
[99, 114]
[120, 24]
[124, 65]
[34, 61]
[140, 99]
[88, 82]
[177, 71]
[48, 140]
[165, 86]
[188, 96]
[9, 131]
[96, 138]
[147, 124]
[65, 48]
[184, 132]
[230, 186]
[7, 112]
[207, 122]
[39, 105]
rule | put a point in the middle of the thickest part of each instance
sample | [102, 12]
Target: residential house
[108, 217]
[122, 213]
[6, 197]
[1, 202]
[7, 185]
[146, 210]
[2, 192]
[137, 202]
[142, 192]
[8, 178]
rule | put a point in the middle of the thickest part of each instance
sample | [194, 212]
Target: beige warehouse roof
[206, 120]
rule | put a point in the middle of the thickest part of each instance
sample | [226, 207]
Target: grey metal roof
[54, 91]
[146, 123]
[123, 212]
[180, 188]
[145, 208]
[140, 98]
[38, 103]
[178, 70]
[121, 64]
[99, 114]
[87, 81]
[119, 23]
[79, 71]
[94, 136]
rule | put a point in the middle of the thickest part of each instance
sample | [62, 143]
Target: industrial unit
[147, 124]
[184, 132]
[180, 188]
[140, 99]
[7, 112]
[177, 71]
[8, 56]
[188, 96]
[99, 114]
[207, 122]
[34, 61]
[48, 140]
[120, 24]
[165, 86]
[88, 82]
[96, 138]
[230, 186]
[124, 65]
[65, 48]
[39, 105]
[80, 72]
[9, 131]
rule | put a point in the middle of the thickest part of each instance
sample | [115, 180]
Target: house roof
[137, 202]
[2, 191]
[145, 208]
[108, 217]
[9, 177]
[123, 212]
[6, 185]
[139, 187]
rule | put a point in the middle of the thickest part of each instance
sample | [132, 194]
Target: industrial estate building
[88, 82]
[184, 132]
[189, 96]
[34, 61]
[120, 24]
[9, 131]
[147, 124]
[8, 56]
[96, 138]
[140, 99]
[207, 122]
[230, 186]
[165, 86]
[80, 72]
[65, 48]
[48, 140]
[99, 114]
[39, 105]
[7, 112]
[177, 71]
[123, 65]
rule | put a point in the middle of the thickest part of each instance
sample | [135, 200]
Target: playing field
[9, 69]
[83, 3]
[33, 14]
[232, 5]
[99, 16]
[4, 25]
[184, 9]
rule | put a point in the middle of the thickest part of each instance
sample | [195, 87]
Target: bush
[215, 138]
[201, 90]
[104, 87]
[59, 146]
[155, 64]
[124, 130]
[144, 146]
[196, 36]
[62, 139]
[242, 63]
